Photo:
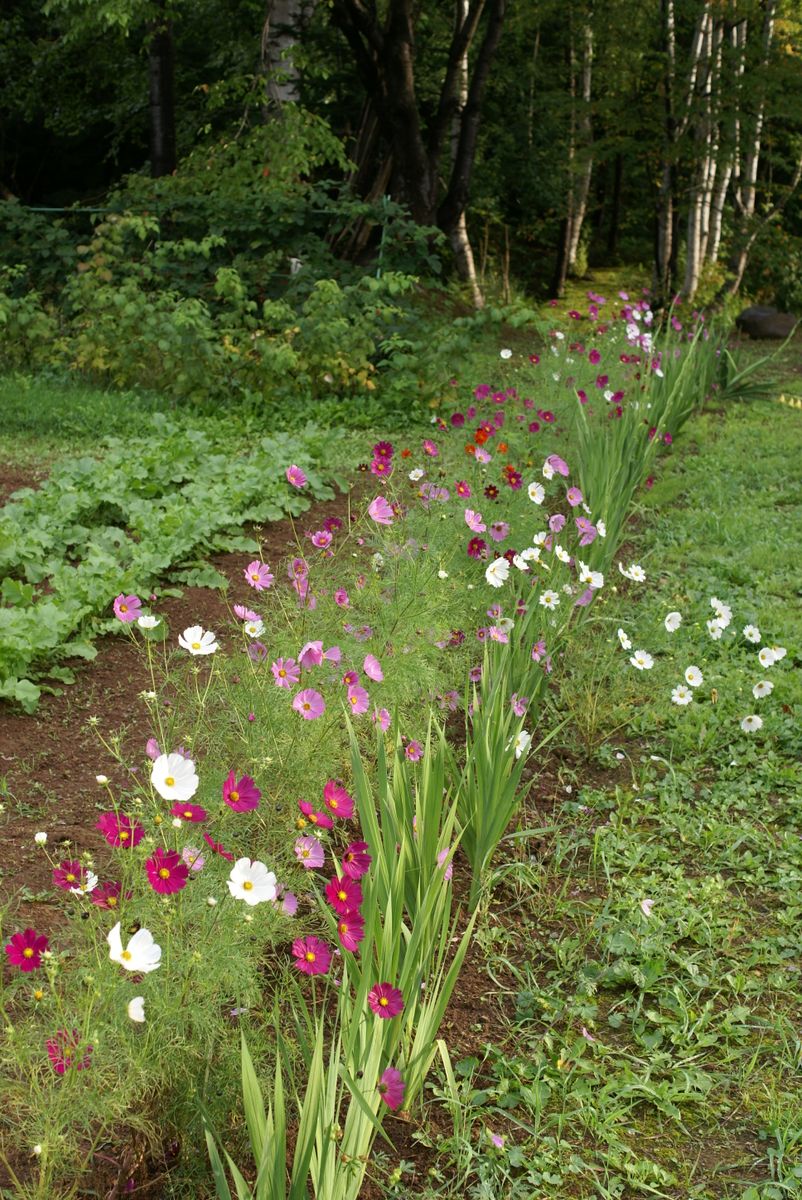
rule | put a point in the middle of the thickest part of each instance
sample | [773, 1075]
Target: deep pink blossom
[295, 476]
[218, 847]
[344, 894]
[127, 608]
[119, 830]
[188, 812]
[166, 872]
[321, 819]
[242, 795]
[25, 949]
[413, 751]
[350, 930]
[383, 450]
[385, 1000]
[463, 489]
[391, 1088]
[477, 548]
[312, 956]
[356, 860]
[69, 874]
[321, 539]
[337, 800]
[430, 448]
[381, 717]
[259, 576]
[63, 1050]
[108, 895]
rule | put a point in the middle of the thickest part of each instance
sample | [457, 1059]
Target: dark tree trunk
[161, 67]
[615, 210]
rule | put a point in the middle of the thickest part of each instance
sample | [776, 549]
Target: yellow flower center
[196, 646]
[282, 673]
[27, 952]
[38, 994]
[70, 877]
[233, 796]
[169, 781]
[111, 901]
[126, 954]
[309, 956]
[383, 1001]
[164, 873]
[352, 699]
[247, 885]
[255, 575]
[124, 835]
[123, 608]
[188, 814]
[341, 895]
[306, 706]
[332, 803]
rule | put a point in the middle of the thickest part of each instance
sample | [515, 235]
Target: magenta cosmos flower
[344, 895]
[69, 874]
[380, 511]
[385, 1000]
[350, 931]
[242, 795]
[64, 1051]
[311, 655]
[127, 608]
[356, 860]
[414, 751]
[295, 476]
[119, 830]
[108, 895]
[258, 575]
[310, 853]
[383, 450]
[25, 949]
[381, 717]
[391, 1088]
[341, 598]
[312, 956]
[166, 872]
[477, 548]
[358, 699]
[310, 704]
[372, 668]
[188, 812]
[217, 847]
[286, 672]
[337, 800]
[430, 448]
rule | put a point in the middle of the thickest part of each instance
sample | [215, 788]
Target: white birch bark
[460, 242]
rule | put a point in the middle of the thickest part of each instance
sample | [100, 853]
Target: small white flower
[506, 624]
[778, 652]
[101, 779]
[497, 572]
[531, 554]
[693, 676]
[520, 562]
[377, 561]
[549, 599]
[40, 838]
[636, 573]
[88, 884]
[642, 660]
[763, 688]
[682, 695]
[174, 777]
[596, 581]
[548, 470]
[537, 493]
[441, 574]
[148, 621]
[136, 1009]
[198, 640]
[626, 644]
[752, 633]
[562, 554]
[715, 629]
[646, 907]
[752, 724]
[723, 611]
[37, 1149]
[505, 353]
[254, 629]
[141, 955]
[177, 822]
[416, 474]
[601, 529]
[252, 882]
[211, 901]
[766, 656]
[522, 742]
[672, 622]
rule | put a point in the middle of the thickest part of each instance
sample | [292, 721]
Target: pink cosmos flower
[556, 522]
[344, 895]
[333, 654]
[350, 677]
[188, 812]
[288, 902]
[356, 860]
[594, 357]
[381, 467]
[337, 800]
[321, 819]
[321, 538]
[444, 860]
[430, 448]
[310, 853]
[245, 614]
[152, 749]
[309, 703]
[312, 957]
[383, 450]
[108, 895]
[166, 872]
[519, 704]
[127, 608]
[341, 598]
[257, 652]
[217, 847]
[380, 511]
[381, 717]
[499, 530]
[298, 568]
[391, 1088]
[372, 668]
[558, 464]
[259, 576]
[474, 521]
[69, 874]
[63, 1051]
[295, 476]
[193, 858]
[385, 1000]
[497, 634]
[311, 655]
[463, 489]
[286, 672]
[481, 455]
[414, 751]
[119, 830]
[25, 949]
[587, 531]
[242, 796]
[351, 931]
[573, 496]
[358, 699]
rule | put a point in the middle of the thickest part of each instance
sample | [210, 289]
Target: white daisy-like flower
[254, 629]
[548, 470]
[40, 838]
[520, 562]
[497, 572]
[763, 687]
[536, 492]
[562, 554]
[136, 1009]
[417, 474]
[549, 599]
[174, 777]
[636, 572]
[752, 633]
[539, 538]
[596, 581]
[715, 629]
[693, 676]
[766, 656]
[646, 907]
[88, 884]
[752, 723]
[506, 624]
[198, 640]
[601, 529]
[505, 353]
[441, 574]
[672, 622]
[681, 694]
[626, 644]
[141, 955]
[522, 742]
[778, 652]
[148, 621]
[642, 660]
[252, 882]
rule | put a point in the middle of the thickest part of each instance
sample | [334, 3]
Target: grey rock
[761, 321]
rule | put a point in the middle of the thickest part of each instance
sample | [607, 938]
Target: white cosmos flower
[778, 652]
[198, 640]
[562, 554]
[681, 694]
[766, 656]
[693, 676]
[596, 581]
[752, 724]
[252, 882]
[141, 955]
[540, 538]
[521, 742]
[254, 629]
[636, 573]
[752, 633]
[40, 838]
[646, 907]
[88, 884]
[673, 621]
[174, 777]
[136, 1009]
[548, 470]
[642, 660]
[537, 493]
[148, 621]
[715, 629]
[505, 353]
[505, 623]
[763, 688]
[520, 562]
[497, 572]
[441, 574]
[549, 599]
[601, 529]
[417, 474]
[626, 644]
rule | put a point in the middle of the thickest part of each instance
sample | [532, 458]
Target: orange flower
[470, 448]
[502, 448]
[481, 437]
[406, 454]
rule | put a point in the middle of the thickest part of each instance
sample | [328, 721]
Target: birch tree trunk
[665, 249]
[585, 130]
[460, 242]
[279, 35]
